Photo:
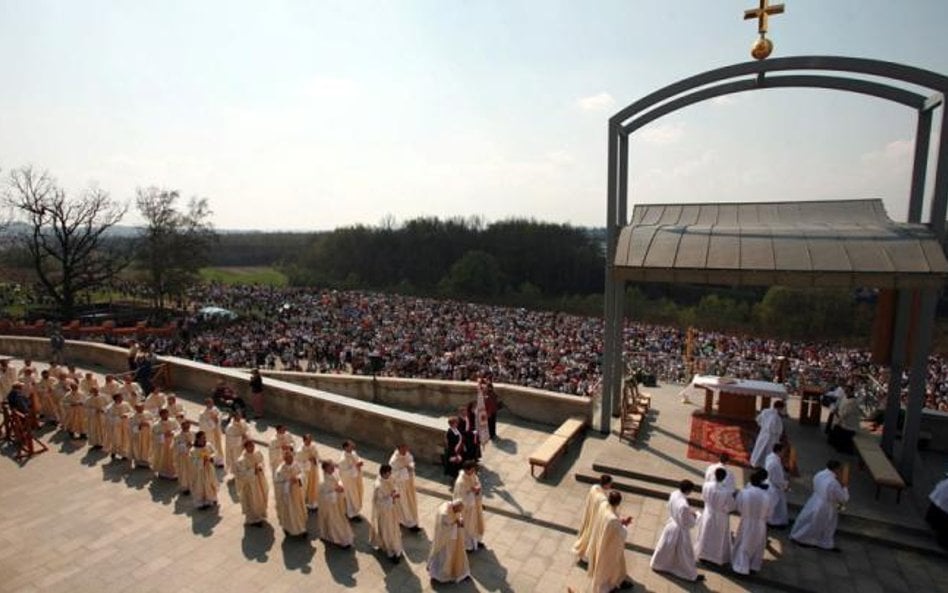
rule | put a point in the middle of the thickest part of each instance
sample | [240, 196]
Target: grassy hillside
[244, 275]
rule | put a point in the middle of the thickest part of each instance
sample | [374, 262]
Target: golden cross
[762, 14]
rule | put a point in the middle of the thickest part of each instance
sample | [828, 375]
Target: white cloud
[897, 152]
[596, 103]
[661, 134]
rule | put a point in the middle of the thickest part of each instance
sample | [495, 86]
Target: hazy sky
[312, 115]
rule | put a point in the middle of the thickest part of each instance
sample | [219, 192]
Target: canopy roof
[850, 243]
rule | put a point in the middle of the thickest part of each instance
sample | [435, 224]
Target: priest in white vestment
[331, 519]
[155, 401]
[447, 562]
[120, 432]
[385, 534]
[141, 423]
[210, 422]
[235, 434]
[350, 472]
[755, 505]
[74, 406]
[403, 472]
[308, 459]
[816, 523]
[778, 485]
[596, 499]
[204, 477]
[288, 490]
[714, 524]
[252, 488]
[610, 572]
[282, 440]
[674, 552]
[771, 429]
[97, 419]
[467, 489]
[183, 441]
[162, 445]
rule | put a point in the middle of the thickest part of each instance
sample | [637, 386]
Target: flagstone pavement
[72, 520]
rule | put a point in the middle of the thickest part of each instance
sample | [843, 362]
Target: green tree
[477, 274]
[174, 243]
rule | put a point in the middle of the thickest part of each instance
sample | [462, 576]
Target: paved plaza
[72, 520]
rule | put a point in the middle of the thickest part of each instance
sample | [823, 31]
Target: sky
[310, 115]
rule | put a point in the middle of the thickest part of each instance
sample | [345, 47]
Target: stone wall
[347, 417]
[443, 397]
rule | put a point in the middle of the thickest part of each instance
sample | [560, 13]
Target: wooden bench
[881, 470]
[555, 445]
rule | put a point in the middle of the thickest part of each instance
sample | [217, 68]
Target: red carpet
[712, 435]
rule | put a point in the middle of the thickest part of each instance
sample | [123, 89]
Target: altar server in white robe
[288, 489]
[252, 487]
[714, 525]
[448, 562]
[467, 488]
[771, 429]
[331, 519]
[384, 532]
[308, 459]
[610, 572]
[596, 499]
[403, 472]
[132, 392]
[235, 434]
[779, 484]
[723, 460]
[754, 504]
[175, 409]
[210, 422]
[155, 401]
[350, 472]
[674, 552]
[816, 523]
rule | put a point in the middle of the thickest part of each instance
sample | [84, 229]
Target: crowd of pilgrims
[151, 432]
[316, 330]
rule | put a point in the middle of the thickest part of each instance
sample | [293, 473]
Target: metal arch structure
[921, 90]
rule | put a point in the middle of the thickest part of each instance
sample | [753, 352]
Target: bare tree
[174, 243]
[65, 238]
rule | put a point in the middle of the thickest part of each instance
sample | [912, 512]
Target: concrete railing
[361, 421]
[445, 397]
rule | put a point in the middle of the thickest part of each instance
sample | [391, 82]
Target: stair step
[895, 536]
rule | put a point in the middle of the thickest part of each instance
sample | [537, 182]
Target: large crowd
[329, 331]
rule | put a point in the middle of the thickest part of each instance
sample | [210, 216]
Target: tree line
[455, 257]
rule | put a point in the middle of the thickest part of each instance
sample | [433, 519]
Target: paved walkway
[71, 520]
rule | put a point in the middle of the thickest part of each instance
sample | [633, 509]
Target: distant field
[245, 275]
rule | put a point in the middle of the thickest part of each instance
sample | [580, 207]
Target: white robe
[448, 559]
[610, 570]
[384, 531]
[771, 429]
[754, 505]
[729, 481]
[403, 472]
[777, 479]
[714, 525]
[816, 523]
[234, 436]
[351, 476]
[674, 552]
[595, 500]
[210, 423]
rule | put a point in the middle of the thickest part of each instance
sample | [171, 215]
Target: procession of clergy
[152, 433]
[760, 504]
